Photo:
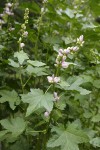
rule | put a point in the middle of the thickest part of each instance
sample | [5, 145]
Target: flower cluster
[62, 54]
[8, 9]
[53, 79]
[23, 31]
[7, 12]
[61, 62]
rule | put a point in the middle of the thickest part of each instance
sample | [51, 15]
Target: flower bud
[22, 45]
[46, 114]
[80, 40]
[55, 96]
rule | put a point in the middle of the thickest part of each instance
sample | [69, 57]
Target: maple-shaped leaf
[37, 99]
[67, 139]
[13, 127]
[11, 97]
[21, 56]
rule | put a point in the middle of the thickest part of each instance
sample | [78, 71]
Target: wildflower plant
[49, 87]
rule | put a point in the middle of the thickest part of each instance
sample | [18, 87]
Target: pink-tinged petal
[61, 51]
[50, 79]
[75, 48]
[81, 38]
[65, 64]
[56, 79]
[67, 51]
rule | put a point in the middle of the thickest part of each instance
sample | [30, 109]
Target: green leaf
[1, 47]
[38, 71]
[36, 63]
[95, 142]
[96, 118]
[21, 56]
[96, 83]
[37, 99]
[11, 97]
[67, 139]
[2, 133]
[21, 144]
[13, 63]
[69, 13]
[76, 86]
[14, 126]
[63, 84]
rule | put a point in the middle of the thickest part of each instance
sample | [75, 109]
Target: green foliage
[11, 97]
[37, 99]
[36, 111]
[67, 138]
[13, 128]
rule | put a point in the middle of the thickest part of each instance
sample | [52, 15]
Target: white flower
[42, 10]
[60, 54]
[52, 79]
[46, 114]
[25, 34]
[67, 51]
[9, 5]
[75, 48]
[45, 1]
[11, 29]
[56, 79]
[1, 21]
[22, 45]
[80, 40]
[65, 64]
[55, 96]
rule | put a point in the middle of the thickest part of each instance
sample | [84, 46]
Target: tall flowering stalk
[23, 34]
[61, 62]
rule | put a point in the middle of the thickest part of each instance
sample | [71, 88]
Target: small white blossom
[1, 15]
[22, 45]
[67, 51]
[55, 96]
[52, 79]
[65, 64]
[75, 48]
[46, 114]
[25, 34]
[42, 10]
[45, 1]
[56, 79]
[61, 51]
[9, 5]
[80, 40]
[1, 21]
